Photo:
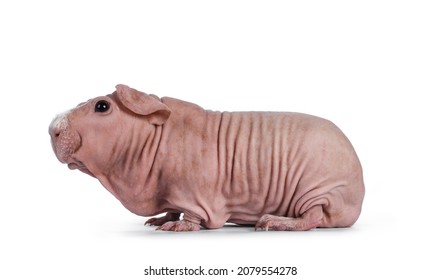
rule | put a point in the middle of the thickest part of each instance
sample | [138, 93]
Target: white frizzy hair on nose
[60, 121]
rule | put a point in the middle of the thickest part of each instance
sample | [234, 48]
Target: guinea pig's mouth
[80, 166]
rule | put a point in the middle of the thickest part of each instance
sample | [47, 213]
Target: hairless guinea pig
[280, 171]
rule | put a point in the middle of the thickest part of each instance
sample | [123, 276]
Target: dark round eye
[102, 106]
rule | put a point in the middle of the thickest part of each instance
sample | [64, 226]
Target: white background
[372, 67]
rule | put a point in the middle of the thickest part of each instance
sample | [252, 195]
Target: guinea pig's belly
[243, 218]
[237, 218]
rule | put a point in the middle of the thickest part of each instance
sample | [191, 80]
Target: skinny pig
[274, 170]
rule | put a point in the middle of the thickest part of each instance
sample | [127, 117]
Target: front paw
[169, 217]
[179, 226]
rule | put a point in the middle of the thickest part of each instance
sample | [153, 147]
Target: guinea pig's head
[98, 133]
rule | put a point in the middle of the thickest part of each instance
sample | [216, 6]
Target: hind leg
[312, 218]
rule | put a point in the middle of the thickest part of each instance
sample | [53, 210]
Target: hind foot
[312, 218]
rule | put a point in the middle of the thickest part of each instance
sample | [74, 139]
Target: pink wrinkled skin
[273, 170]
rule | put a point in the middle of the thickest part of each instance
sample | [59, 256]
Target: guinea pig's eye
[102, 106]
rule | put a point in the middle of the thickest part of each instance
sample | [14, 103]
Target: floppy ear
[143, 104]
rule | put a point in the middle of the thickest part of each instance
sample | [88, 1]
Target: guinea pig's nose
[54, 132]
[58, 124]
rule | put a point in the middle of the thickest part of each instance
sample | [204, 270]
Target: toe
[168, 226]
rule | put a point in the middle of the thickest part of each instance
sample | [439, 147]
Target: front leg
[169, 217]
[187, 224]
